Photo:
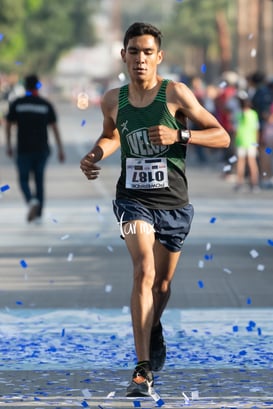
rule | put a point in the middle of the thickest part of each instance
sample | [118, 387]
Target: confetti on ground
[98, 338]
[212, 220]
[270, 242]
[83, 122]
[110, 248]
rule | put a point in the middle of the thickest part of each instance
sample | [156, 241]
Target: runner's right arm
[109, 140]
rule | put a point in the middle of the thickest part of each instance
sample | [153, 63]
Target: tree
[12, 38]
[197, 33]
[38, 31]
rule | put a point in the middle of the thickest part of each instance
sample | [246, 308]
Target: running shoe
[33, 210]
[157, 348]
[141, 384]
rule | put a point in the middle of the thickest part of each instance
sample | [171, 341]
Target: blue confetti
[160, 402]
[4, 188]
[1, 36]
[28, 93]
[83, 122]
[137, 404]
[98, 208]
[259, 330]
[268, 150]
[84, 404]
[200, 284]
[203, 68]
[38, 85]
[235, 328]
[23, 264]
[270, 242]
[63, 332]
[212, 220]
[208, 257]
[248, 301]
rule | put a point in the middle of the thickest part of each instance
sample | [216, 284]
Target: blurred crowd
[244, 107]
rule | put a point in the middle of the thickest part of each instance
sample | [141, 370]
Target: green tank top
[152, 175]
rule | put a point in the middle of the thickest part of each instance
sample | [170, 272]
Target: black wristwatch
[184, 136]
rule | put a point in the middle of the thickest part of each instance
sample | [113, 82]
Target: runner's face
[142, 57]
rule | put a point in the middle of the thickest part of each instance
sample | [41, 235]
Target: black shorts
[171, 227]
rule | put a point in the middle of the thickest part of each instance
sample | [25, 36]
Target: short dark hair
[139, 29]
[31, 82]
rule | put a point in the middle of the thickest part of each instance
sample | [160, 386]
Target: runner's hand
[89, 168]
[162, 135]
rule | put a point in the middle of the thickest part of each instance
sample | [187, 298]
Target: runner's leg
[139, 237]
[165, 265]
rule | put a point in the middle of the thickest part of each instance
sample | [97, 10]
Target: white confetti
[253, 52]
[86, 393]
[233, 159]
[49, 250]
[227, 168]
[223, 84]
[65, 237]
[227, 270]
[195, 395]
[108, 288]
[111, 395]
[125, 309]
[260, 267]
[122, 77]
[110, 248]
[200, 264]
[254, 253]
[208, 246]
[70, 257]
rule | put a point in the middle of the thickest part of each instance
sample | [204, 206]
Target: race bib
[144, 173]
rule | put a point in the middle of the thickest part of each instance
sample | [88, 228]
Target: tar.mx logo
[134, 227]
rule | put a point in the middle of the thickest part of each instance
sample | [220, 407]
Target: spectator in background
[261, 100]
[267, 138]
[32, 114]
[198, 88]
[226, 106]
[246, 142]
